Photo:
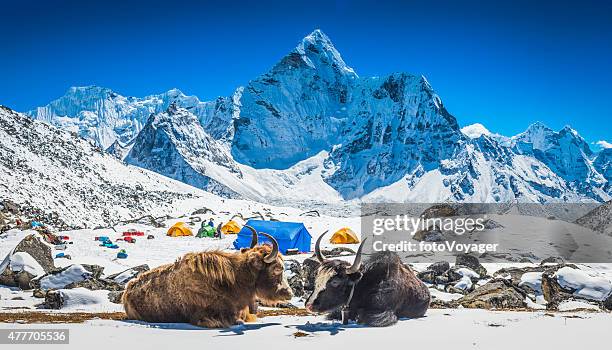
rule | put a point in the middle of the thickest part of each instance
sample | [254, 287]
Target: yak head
[334, 281]
[267, 265]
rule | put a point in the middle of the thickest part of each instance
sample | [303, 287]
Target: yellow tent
[344, 236]
[231, 228]
[179, 229]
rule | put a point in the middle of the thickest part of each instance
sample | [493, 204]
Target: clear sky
[504, 64]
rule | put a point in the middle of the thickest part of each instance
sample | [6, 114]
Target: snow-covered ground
[456, 328]
[440, 329]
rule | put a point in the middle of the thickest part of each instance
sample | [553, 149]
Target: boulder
[53, 300]
[439, 267]
[125, 276]
[430, 234]
[471, 262]
[20, 279]
[40, 251]
[496, 294]
[297, 285]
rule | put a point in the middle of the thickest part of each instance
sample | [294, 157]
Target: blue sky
[505, 64]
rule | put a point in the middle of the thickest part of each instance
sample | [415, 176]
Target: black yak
[376, 294]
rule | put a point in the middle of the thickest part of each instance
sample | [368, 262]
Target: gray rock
[439, 267]
[115, 297]
[136, 271]
[471, 262]
[54, 300]
[496, 294]
[553, 260]
[309, 268]
[41, 252]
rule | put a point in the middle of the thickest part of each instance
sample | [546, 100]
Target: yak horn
[254, 239]
[357, 263]
[318, 253]
[270, 258]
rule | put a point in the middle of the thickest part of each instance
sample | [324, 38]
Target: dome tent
[344, 236]
[179, 229]
[289, 235]
[231, 228]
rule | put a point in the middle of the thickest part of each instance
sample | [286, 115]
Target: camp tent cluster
[289, 235]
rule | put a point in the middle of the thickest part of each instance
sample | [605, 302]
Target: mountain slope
[174, 144]
[54, 170]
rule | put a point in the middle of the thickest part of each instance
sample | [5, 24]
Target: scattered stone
[38, 293]
[53, 300]
[338, 251]
[496, 294]
[553, 260]
[430, 234]
[471, 262]
[309, 270]
[439, 267]
[115, 297]
[125, 276]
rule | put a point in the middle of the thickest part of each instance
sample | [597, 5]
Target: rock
[10, 206]
[338, 251]
[439, 267]
[96, 270]
[20, 279]
[297, 285]
[427, 276]
[96, 284]
[553, 260]
[53, 300]
[203, 211]
[38, 250]
[430, 234]
[552, 291]
[115, 297]
[129, 274]
[309, 271]
[439, 210]
[471, 262]
[38, 293]
[608, 302]
[496, 294]
[490, 224]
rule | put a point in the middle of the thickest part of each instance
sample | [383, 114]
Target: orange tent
[344, 236]
[179, 229]
[231, 228]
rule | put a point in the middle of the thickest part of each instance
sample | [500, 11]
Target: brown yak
[209, 289]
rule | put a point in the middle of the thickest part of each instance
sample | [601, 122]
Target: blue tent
[288, 234]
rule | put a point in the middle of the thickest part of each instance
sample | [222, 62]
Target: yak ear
[355, 276]
[242, 250]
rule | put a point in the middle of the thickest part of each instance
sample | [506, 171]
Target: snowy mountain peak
[474, 131]
[317, 50]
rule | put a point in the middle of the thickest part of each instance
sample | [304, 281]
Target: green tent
[206, 231]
